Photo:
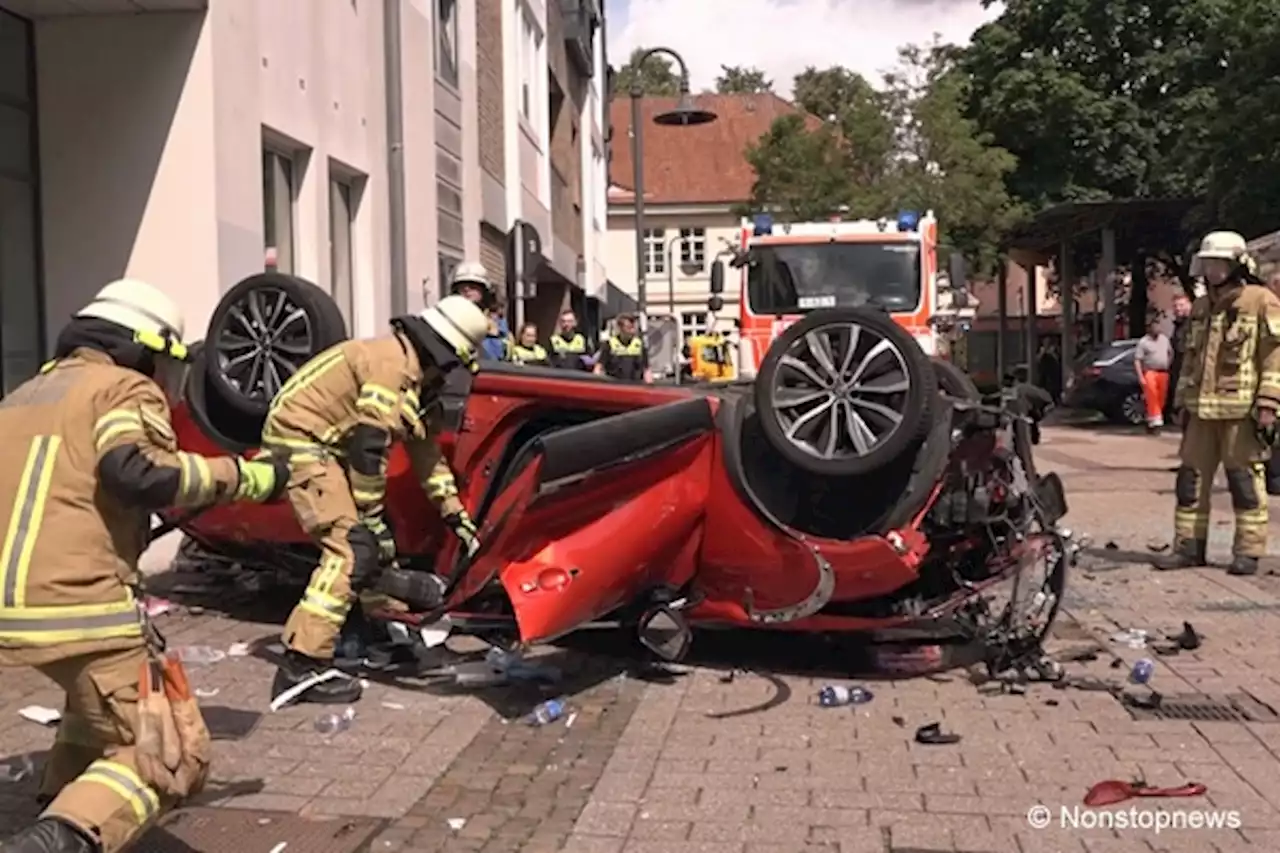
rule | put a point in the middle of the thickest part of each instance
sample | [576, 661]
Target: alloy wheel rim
[265, 340]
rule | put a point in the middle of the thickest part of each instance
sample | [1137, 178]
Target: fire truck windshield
[792, 278]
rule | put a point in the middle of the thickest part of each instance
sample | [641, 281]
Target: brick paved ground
[645, 768]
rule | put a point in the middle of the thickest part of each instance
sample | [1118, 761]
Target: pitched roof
[704, 164]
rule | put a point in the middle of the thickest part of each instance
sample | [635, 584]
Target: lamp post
[686, 114]
[686, 267]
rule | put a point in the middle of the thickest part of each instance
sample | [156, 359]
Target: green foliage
[656, 75]
[741, 80]
[800, 171]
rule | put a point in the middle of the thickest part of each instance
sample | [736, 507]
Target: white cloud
[782, 37]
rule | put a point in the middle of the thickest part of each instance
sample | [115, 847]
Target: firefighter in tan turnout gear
[1230, 390]
[336, 419]
[88, 455]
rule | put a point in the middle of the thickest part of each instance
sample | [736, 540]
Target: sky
[782, 37]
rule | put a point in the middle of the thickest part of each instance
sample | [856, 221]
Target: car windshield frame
[833, 274]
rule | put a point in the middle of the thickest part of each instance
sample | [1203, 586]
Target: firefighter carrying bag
[174, 748]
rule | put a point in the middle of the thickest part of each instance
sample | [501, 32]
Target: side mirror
[958, 272]
[717, 278]
[715, 303]
[665, 633]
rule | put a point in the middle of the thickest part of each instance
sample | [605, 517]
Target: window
[531, 76]
[694, 323]
[791, 279]
[447, 41]
[278, 196]
[21, 321]
[448, 263]
[693, 249]
[343, 202]
[655, 251]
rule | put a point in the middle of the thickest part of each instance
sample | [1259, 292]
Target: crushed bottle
[332, 724]
[835, 695]
[1142, 671]
[547, 712]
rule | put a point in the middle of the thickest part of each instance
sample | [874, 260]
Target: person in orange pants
[1152, 359]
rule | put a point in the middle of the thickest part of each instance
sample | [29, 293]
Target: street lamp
[686, 114]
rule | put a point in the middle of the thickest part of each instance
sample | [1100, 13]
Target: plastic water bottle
[1142, 671]
[548, 712]
[835, 695]
[332, 724]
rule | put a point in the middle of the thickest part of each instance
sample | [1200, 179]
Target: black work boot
[1187, 554]
[51, 835]
[298, 668]
[1242, 565]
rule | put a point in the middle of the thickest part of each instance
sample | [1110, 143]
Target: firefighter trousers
[1234, 446]
[91, 774]
[320, 495]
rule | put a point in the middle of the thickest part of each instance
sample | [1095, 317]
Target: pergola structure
[1100, 235]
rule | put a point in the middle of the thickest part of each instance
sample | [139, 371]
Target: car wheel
[264, 329]
[1132, 409]
[844, 392]
[229, 428]
[953, 381]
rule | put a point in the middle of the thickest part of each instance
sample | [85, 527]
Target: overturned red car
[854, 486]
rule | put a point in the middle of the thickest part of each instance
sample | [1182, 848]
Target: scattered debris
[1134, 638]
[1189, 639]
[238, 650]
[1142, 671]
[728, 677]
[457, 823]
[280, 847]
[898, 721]
[835, 695]
[331, 724]
[931, 734]
[302, 687]
[207, 692]
[1111, 546]
[568, 724]
[17, 769]
[1116, 663]
[1114, 791]
[437, 633]
[394, 706]
[547, 712]
[1052, 703]
[40, 714]
[200, 655]
[155, 606]
[907, 660]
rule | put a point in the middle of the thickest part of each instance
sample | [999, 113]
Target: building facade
[695, 181]
[191, 143]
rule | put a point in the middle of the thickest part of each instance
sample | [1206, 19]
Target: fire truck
[790, 269]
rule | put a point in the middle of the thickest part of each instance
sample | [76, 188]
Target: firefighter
[91, 455]
[624, 355]
[336, 419]
[568, 345]
[1230, 390]
[527, 350]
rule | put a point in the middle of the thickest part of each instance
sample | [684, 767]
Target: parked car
[1105, 381]
[841, 490]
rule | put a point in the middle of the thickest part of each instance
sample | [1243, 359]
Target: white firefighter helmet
[155, 319]
[1223, 245]
[470, 272]
[460, 322]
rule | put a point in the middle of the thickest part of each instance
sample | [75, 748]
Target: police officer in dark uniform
[624, 356]
[568, 345]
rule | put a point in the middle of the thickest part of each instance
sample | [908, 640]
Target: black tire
[315, 323]
[903, 356]
[228, 427]
[953, 381]
[930, 464]
[1128, 410]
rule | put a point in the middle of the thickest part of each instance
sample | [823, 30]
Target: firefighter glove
[262, 480]
[465, 529]
[381, 531]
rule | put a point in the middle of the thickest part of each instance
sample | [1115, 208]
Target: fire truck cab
[790, 269]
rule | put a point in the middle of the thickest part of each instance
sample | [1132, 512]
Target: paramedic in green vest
[568, 345]
[526, 349]
[624, 356]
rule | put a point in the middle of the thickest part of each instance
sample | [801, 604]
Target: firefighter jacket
[350, 402]
[89, 454]
[1232, 359]
[568, 352]
[535, 354]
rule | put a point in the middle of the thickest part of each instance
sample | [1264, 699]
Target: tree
[846, 99]
[741, 80]
[1100, 100]
[801, 172]
[941, 160]
[656, 75]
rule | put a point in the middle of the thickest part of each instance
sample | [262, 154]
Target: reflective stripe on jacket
[1232, 357]
[89, 454]
[535, 354]
[576, 344]
[375, 383]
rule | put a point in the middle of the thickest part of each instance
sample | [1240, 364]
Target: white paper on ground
[40, 714]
